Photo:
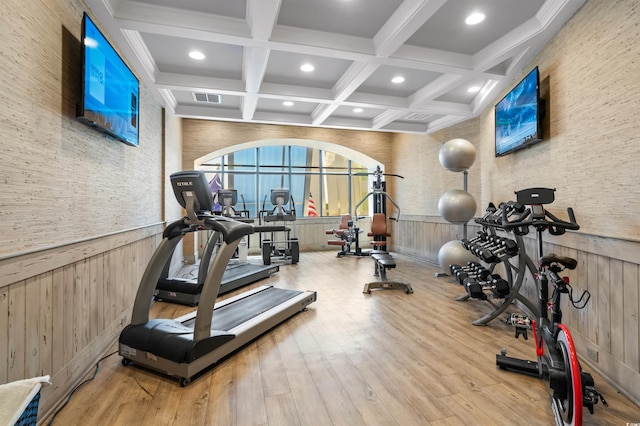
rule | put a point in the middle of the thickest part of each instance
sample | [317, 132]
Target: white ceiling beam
[353, 78]
[437, 87]
[405, 21]
[253, 68]
[142, 53]
[249, 103]
[199, 83]
[178, 22]
[262, 16]
[386, 117]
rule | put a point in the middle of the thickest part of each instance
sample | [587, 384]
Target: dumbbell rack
[515, 271]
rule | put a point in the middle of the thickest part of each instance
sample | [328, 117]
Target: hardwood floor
[387, 358]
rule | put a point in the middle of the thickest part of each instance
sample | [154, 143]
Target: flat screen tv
[110, 91]
[518, 116]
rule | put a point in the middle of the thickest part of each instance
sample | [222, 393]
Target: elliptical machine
[282, 242]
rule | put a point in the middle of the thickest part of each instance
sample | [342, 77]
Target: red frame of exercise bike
[575, 374]
[575, 367]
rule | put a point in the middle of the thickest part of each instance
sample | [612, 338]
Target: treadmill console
[192, 184]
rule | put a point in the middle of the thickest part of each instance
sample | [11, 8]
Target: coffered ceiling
[253, 51]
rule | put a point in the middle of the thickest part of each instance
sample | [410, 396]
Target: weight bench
[384, 261]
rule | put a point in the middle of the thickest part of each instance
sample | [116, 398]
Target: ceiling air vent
[207, 97]
[416, 116]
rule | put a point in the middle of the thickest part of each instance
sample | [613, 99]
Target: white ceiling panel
[254, 50]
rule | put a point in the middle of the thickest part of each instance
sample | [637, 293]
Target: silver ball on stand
[457, 206]
[457, 155]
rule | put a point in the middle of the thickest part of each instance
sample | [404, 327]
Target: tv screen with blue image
[518, 116]
[110, 90]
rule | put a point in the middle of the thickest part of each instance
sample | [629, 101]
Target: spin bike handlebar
[540, 220]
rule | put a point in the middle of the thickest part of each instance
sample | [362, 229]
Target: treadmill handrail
[230, 229]
[211, 288]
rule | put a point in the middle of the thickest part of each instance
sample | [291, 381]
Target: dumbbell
[480, 273]
[491, 209]
[456, 270]
[484, 250]
[493, 253]
[470, 265]
[474, 288]
[507, 243]
[481, 236]
[486, 242]
[499, 286]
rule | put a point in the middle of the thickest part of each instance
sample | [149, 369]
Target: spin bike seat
[567, 262]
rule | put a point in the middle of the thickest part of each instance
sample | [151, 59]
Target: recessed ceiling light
[287, 103]
[474, 18]
[473, 89]
[307, 67]
[194, 54]
[397, 79]
[357, 110]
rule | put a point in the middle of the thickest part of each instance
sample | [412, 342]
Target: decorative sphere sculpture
[454, 253]
[457, 155]
[457, 206]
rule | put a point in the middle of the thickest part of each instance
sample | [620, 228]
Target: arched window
[335, 183]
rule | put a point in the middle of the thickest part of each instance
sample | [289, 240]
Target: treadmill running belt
[237, 271]
[229, 316]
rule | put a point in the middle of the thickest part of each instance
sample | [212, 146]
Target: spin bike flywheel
[566, 400]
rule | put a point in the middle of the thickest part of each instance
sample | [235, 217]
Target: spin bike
[571, 387]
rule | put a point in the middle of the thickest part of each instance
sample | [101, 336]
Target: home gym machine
[238, 274]
[380, 196]
[347, 235]
[185, 346]
[282, 242]
[380, 234]
[557, 360]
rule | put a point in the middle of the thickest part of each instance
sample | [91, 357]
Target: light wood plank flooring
[387, 358]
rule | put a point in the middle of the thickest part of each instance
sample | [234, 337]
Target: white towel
[16, 396]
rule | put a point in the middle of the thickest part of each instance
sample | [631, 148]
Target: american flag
[214, 184]
[311, 207]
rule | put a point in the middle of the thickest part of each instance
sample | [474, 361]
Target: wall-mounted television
[518, 116]
[110, 91]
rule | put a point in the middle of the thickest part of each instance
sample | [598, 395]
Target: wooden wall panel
[4, 338]
[32, 323]
[58, 317]
[16, 344]
[616, 286]
[631, 309]
[46, 323]
[61, 321]
[608, 325]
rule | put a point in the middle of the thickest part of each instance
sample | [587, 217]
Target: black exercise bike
[557, 360]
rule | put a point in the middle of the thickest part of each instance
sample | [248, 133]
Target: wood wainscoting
[608, 328]
[63, 307]
[385, 358]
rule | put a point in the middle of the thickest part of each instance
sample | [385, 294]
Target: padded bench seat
[383, 261]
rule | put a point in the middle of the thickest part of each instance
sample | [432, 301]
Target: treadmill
[188, 290]
[185, 346]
